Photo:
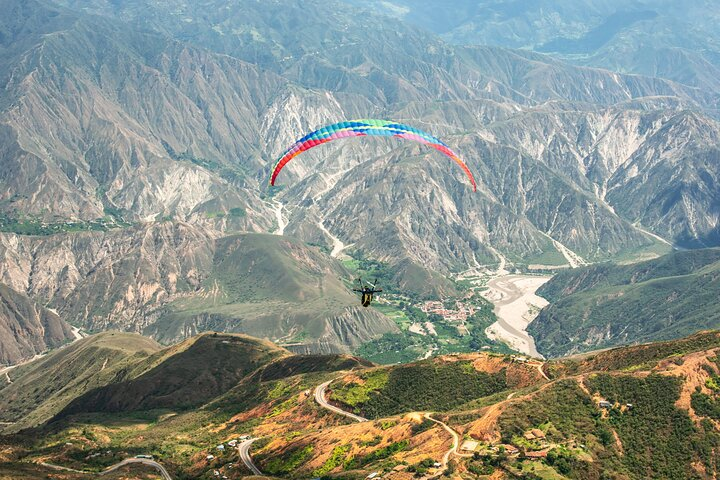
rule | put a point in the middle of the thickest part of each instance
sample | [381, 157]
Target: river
[516, 305]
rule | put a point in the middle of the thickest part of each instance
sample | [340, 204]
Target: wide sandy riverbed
[516, 305]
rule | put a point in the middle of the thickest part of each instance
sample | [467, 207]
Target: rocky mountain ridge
[158, 134]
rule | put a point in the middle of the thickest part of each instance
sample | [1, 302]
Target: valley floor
[516, 305]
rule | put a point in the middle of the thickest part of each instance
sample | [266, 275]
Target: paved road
[320, 399]
[127, 461]
[244, 450]
[144, 461]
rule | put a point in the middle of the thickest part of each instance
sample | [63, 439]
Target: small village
[457, 316]
[534, 445]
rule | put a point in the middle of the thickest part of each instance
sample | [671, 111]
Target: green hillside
[634, 357]
[239, 385]
[669, 297]
[434, 384]
[231, 382]
[262, 283]
[653, 439]
[197, 371]
[42, 388]
[675, 264]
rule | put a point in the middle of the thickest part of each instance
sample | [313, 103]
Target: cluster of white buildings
[459, 314]
[232, 444]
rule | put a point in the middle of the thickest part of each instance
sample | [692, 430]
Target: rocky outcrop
[113, 279]
[26, 328]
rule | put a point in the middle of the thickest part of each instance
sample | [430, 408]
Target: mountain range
[668, 297]
[162, 307]
[655, 38]
[137, 139]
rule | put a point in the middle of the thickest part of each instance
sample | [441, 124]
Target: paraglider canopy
[366, 127]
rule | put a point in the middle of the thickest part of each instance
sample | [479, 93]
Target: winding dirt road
[453, 450]
[455, 445]
[60, 467]
[320, 399]
[542, 372]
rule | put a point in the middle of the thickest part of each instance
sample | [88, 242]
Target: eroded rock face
[27, 328]
[109, 279]
[100, 120]
[99, 124]
[173, 280]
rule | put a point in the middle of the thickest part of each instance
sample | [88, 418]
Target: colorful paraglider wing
[359, 128]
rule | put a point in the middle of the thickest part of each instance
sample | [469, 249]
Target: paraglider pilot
[367, 292]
